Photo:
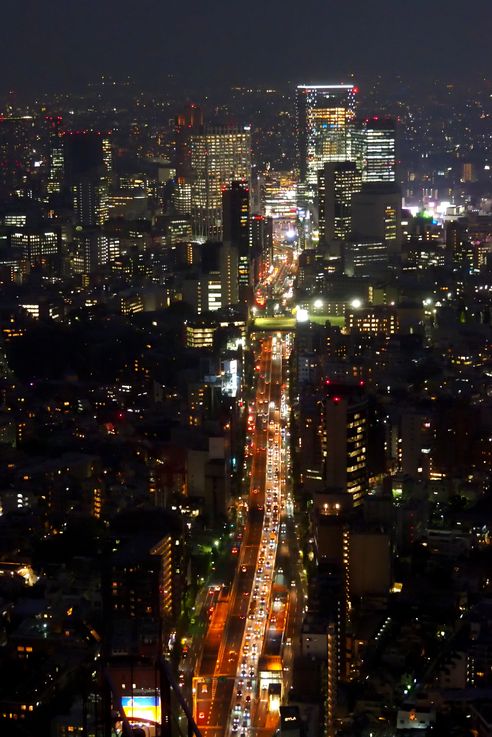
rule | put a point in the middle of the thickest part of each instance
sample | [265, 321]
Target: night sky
[61, 44]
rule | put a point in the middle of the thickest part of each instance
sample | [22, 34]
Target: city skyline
[245, 371]
[70, 47]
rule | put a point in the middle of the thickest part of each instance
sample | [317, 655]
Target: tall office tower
[15, 155]
[325, 115]
[236, 232]
[56, 158]
[189, 121]
[376, 214]
[88, 174]
[336, 185]
[345, 437]
[373, 149]
[219, 156]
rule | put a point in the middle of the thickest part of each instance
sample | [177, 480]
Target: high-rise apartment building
[373, 149]
[345, 437]
[219, 156]
[88, 165]
[336, 185]
[325, 115]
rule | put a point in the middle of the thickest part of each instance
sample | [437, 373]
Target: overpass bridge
[282, 323]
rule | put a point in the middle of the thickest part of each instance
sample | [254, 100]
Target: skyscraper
[262, 242]
[235, 213]
[345, 437]
[373, 149]
[219, 155]
[325, 113]
[376, 213]
[188, 122]
[56, 158]
[214, 284]
[236, 232]
[15, 154]
[87, 162]
[336, 185]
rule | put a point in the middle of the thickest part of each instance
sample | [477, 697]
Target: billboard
[142, 707]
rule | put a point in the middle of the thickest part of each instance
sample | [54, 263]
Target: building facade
[325, 116]
[219, 156]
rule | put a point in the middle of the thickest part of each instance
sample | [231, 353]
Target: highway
[226, 682]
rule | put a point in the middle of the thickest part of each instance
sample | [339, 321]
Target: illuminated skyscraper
[325, 113]
[373, 149]
[219, 155]
[336, 185]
